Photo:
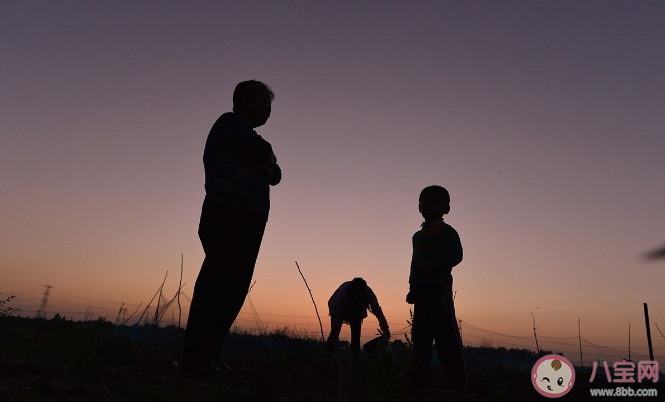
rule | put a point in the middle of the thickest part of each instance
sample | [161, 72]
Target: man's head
[433, 203]
[251, 101]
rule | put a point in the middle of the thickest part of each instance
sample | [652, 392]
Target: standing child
[436, 250]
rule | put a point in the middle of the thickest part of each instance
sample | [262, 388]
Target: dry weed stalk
[132, 315]
[153, 298]
[182, 260]
[118, 316]
[534, 332]
[661, 332]
[579, 334]
[323, 339]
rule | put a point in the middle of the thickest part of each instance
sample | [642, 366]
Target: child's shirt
[339, 301]
[437, 245]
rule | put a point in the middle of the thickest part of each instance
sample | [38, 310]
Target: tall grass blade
[323, 339]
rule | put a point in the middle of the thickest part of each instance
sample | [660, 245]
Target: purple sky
[543, 119]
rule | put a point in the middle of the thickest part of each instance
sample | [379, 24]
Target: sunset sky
[544, 120]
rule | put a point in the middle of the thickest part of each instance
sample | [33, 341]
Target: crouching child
[349, 305]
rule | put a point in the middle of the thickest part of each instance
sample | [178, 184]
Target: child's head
[358, 292]
[433, 203]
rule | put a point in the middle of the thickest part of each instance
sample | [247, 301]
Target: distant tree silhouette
[7, 311]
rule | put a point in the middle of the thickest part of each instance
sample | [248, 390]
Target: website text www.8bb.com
[624, 391]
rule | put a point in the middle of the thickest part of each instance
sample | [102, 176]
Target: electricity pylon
[41, 313]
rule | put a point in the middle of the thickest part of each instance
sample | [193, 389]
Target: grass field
[60, 360]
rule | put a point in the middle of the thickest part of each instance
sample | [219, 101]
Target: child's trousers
[434, 320]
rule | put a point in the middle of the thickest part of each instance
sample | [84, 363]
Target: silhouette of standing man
[239, 168]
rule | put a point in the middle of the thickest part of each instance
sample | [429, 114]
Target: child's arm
[452, 248]
[378, 312]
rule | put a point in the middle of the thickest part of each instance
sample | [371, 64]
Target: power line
[97, 300]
